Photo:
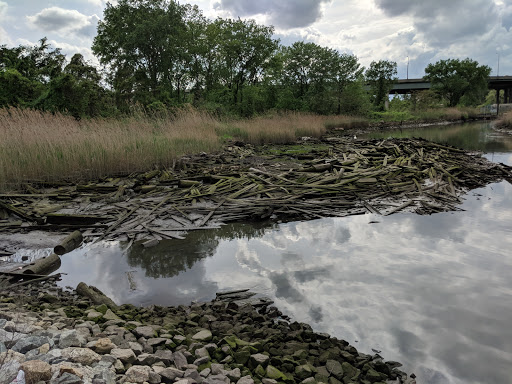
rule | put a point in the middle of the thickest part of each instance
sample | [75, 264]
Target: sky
[413, 33]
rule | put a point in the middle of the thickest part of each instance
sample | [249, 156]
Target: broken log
[95, 295]
[43, 266]
[69, 243]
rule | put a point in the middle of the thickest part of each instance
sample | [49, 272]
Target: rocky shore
[57, 336]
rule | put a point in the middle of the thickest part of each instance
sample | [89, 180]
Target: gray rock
[165, 356]
[217, 369]
[205, 372]
[268, 381]
[145, 331]
[221, 378]
[3, 348]
[137, 374]
[192, 373]
[179, 360]
[245, 380]
[211, 347]
[127, 356]
[67, 378]
[202, 352]
[203, 335]
[259, 359]
[202, 360]
[26, 344]
[72, 338]
[234, 375]
[147, 359]
[135, 347]
[156, 341]
[172, 374]
[334, 368]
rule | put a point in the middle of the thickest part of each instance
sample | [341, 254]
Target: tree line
[161, 54]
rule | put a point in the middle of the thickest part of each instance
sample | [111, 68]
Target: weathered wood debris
[337, 177]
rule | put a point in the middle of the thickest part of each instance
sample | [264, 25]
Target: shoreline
[65, 337]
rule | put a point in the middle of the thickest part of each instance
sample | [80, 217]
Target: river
[433, 292]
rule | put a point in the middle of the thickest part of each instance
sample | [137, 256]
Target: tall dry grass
[282, 128]
[52, 147]
[505, 121]
[39, 146]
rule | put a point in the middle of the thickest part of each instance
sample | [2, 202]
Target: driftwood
[95, 295]
[43, 265]
[344, 177]
[69, 243]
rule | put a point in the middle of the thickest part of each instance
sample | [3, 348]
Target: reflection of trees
[468, 136]
[171, 257]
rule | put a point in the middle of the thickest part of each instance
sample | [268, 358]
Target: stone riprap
[52, 338]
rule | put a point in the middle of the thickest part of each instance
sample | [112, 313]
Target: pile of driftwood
[343, 177]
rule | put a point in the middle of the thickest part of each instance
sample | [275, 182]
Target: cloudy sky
[424, 31]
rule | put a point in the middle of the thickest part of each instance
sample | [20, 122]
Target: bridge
[498, 83]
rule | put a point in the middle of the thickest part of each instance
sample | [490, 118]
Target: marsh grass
[505, 121]
[39, 146]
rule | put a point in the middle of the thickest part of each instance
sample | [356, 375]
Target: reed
[40, 146]
[505, 120]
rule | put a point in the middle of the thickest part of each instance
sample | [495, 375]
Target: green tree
[380, 76]
[246, 50]
[459, 81]
[348, 70]
[309, 70]
[143, 39]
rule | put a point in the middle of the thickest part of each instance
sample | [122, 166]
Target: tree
[310, 71]
[380, 76]
[459, 81]
[143, 39]
[347, 72]
[246, 49]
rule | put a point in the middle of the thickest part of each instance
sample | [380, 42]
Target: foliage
[380, 76]
[459, 81]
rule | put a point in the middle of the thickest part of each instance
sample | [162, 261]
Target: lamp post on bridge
[408, 67]
[498, 90]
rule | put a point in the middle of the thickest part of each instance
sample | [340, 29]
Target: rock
[334, 368]
[145, 331]
[373, 376]
[94, 315]
[103, 346]
[67, 378]
[304, 371]
[268, 381]
[309, 380]
[82, 356]
[203, 335]
[205, 372]
[241, 357]
[217, 369]
[202, 352]
[71, 338]
[147, 359]
[36, 370]
[171, 374]
[137, 374]
[135, 347]
[350, 371]
[43, 349]
[201, 361]
[126, 356]
[274, 373]
[109, 315]
[179, 360]
[245, 380]
[28, 343]
[156, 341]
[258, 359]
[234, 375]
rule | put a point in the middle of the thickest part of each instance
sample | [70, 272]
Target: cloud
[3, 9]
[64, 21]
[285, 14]
[442, 23]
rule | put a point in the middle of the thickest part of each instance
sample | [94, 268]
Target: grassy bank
[437, 114]
[505, 121]
[38, 146]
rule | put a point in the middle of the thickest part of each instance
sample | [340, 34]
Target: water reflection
[471, 136]
[433, 292]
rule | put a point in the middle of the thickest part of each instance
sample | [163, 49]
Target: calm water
[434, 292]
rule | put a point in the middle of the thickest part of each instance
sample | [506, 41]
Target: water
[433, 292]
